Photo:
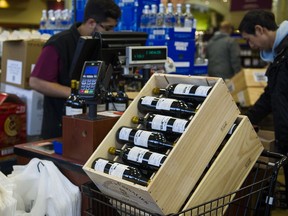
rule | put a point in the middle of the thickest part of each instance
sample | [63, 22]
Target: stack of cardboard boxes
[18, 60]
[247, 85]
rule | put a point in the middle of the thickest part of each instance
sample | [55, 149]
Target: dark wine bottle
[187, 92]
[78, 105]
[147, 139]
[70, 99]
[120, 170]
[161, 123]
[141, 157]
[166, 106]
[121, 99]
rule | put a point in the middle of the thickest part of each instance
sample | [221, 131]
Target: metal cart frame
[255, 197]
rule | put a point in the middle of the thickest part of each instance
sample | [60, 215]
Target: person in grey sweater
[223, 53]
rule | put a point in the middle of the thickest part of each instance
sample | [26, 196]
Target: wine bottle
[147, 139]
[70, 99]
[161, 123]
[141, 157]
[120, 170]
[121, 99]
[78, 105]
[186, 92]
[166, 106]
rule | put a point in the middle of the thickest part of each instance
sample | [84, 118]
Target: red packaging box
[12, 120]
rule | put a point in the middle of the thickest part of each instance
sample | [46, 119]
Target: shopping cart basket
[255, 197]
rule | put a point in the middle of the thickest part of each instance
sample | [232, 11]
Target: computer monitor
[109, 47]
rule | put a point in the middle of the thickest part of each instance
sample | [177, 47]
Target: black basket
[255, 197]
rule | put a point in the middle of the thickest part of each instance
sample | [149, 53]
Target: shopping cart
[255, 197]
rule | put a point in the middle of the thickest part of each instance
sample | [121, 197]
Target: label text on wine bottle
[138, 154]
[185, 89]
[164, 104]
[124, 133]
[117, 170]
[160, 122]
[141, 138]
[100, 165]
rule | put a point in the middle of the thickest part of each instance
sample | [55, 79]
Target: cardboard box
[34, 104]
[268, 139]
[172, 184]
[248, 97]
[18, 60]
[248, 77]
[12, 120]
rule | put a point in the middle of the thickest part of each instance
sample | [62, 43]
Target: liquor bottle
[120, 170]
[179, 16]
[169, 16]
[163, 123]
[186, 92]
[160, 17]
[140, 157]
[57, 14]
[51, 20]
[189, 18]
[143, 138]
[145, 18]
[70, 99]
[43, 20]
[153, 15]
[166, 106]
[78, 105]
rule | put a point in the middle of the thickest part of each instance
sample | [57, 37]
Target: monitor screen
[109, 47]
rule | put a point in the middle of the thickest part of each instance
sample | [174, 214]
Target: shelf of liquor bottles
[185, 166]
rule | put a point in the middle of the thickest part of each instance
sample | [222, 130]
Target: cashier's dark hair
[100, 10]
[252, 18]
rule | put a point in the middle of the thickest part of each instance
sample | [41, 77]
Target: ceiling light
[4, 4]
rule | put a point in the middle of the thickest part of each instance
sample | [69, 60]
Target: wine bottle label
[124, 133]
[160, 122]
[138, 154]
[164, 104]
[141, 138]
[68, 111]
[186, 89]
[117, 170]
[76, 111]
[147, 100]
[179, 125]
[100, 165]
[202, 91]
[120, 107]
[155, 159]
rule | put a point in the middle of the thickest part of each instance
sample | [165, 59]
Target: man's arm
[47, 88]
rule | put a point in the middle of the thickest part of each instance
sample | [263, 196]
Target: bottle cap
[112, 150]
[135, 119]
[156, 91]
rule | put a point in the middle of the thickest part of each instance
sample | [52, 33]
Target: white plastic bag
[44, 190]
[7, 202]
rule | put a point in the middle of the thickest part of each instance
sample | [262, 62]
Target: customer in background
[51, 73]
[260, 30]
[223, 53]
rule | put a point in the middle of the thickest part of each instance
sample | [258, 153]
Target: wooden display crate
[172, 184]
[230, 168]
